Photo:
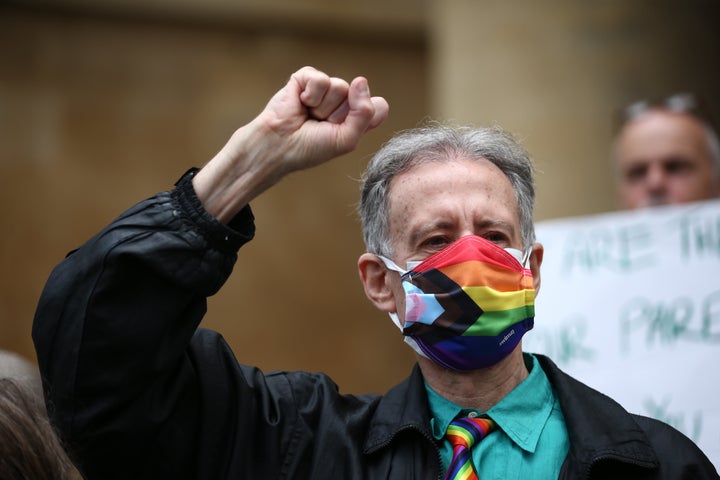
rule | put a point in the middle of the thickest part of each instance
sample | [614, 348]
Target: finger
[334, 97]
[340, 113]
[382, 110]
[313, 85]
[364, 112]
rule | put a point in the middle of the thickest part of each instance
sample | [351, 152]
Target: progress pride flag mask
[468, 305]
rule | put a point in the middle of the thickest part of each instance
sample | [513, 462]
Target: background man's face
[663, 158]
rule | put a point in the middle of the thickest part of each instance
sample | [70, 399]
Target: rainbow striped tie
[463, 433]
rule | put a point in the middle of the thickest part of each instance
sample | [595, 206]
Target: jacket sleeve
[112, 333]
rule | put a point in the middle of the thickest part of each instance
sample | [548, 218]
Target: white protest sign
[630, 305]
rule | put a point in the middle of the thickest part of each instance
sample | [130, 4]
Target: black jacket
[138, 391]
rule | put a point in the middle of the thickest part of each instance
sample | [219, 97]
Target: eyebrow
[424, 230]
[499, 224]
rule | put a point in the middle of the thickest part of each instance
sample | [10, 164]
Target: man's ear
[536, 258]
[374, 277]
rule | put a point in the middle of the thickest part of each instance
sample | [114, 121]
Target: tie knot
[466, 431]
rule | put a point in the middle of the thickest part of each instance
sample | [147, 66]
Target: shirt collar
[521, 414]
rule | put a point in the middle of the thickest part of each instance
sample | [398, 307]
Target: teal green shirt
[531, 440]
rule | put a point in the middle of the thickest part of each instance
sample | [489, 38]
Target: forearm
[246, 166]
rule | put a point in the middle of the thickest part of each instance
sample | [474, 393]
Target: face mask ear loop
[526, 258]
[392, 265]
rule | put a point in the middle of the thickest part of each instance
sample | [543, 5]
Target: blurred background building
[105, 102]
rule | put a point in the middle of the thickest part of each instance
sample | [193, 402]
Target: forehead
[454, 190]
[660, 134]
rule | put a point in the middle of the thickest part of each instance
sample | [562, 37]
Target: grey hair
[442, 142]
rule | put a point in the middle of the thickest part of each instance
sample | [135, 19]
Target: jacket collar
[404, 407]
[598, 427]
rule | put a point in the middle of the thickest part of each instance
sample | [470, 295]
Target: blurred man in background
[666, 153]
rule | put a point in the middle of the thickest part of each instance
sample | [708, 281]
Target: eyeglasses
[678, 103]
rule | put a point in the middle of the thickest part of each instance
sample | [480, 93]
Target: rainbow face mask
[468, 305]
